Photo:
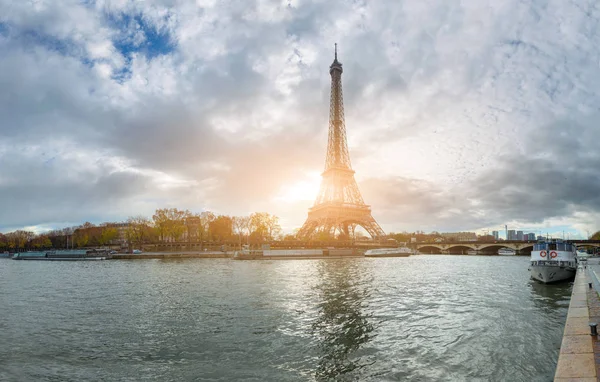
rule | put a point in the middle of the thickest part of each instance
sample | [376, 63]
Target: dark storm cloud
[83, 199]
[409, 204]
[402, 196]
[556, 174]
[166, 137]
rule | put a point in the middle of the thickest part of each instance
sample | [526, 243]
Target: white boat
[553, 261]
[389, 252]
[472, 252]
[507, 252]
[582, 255]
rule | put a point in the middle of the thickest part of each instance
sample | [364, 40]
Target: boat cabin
[553, 251]
[553, 246]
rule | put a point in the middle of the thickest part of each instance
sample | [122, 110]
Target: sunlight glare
[302, 190]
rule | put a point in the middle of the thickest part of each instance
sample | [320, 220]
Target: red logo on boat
[553, 254]
[543, 253]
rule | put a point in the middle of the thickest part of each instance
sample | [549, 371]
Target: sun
[304, 190]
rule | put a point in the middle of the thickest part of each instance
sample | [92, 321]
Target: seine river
[423, 318]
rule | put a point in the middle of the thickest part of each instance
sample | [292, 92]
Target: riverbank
[257, 255]
[307, 257]
[172, 255]
[231, 254]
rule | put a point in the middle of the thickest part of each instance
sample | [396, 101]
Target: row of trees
[169, 225]
[23, 239]
[90, 235]
[80, 236]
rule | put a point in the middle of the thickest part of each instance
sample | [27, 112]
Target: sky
[460, 115]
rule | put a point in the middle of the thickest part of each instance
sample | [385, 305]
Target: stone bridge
[491, 248]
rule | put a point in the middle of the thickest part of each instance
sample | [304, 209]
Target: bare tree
[240, 224]
[206, 217]
[138, 230]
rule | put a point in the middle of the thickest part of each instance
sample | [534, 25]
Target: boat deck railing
[560, 263]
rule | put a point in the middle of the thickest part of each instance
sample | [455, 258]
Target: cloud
[63, 191]
[459, 115]
[557, 174]
[404, 204]
[556, 177]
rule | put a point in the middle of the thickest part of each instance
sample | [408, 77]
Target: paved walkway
[593, 271]
[577, 360]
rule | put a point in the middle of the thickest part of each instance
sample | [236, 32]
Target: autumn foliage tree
[161, 223]
[19, 239]
[167, 224]
[3, 242]
[41, 242]
[139, 230]
[264, 226]
[22, 240]
[221, 228]
[170, 223]
[108, 235]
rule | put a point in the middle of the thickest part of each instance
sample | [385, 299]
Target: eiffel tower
[339, 206]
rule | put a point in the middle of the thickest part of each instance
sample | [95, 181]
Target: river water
[423, 318]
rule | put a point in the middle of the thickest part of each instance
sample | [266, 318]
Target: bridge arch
[430, 249]
[460, 249]
[588, 245]
[526, 250]
[492, 249]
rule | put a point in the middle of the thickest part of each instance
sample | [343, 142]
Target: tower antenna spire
[335, 51]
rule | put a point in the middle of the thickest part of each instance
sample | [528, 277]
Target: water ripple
[423, 318]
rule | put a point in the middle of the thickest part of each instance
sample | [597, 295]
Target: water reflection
[343, 325]
[550, 296]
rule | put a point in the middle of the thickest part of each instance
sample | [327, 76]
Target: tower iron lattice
[339, 206]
